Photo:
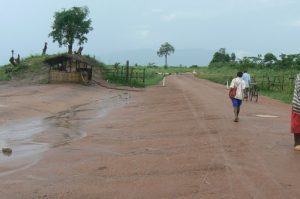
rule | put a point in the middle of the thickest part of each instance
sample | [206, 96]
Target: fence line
[272, 83]
[126, 74]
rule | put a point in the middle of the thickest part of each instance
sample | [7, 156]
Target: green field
[275, 83]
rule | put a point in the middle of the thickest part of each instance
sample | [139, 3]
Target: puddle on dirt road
[28, 139]
[17, 137]
[18, 149]
[267, 116]
[70, 125]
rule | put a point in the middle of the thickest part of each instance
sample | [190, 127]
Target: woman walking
[238, 85]
[295, 119]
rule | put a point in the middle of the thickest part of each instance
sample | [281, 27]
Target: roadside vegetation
[32, 69]
[274, 76]
[153, 74]
[29, 68]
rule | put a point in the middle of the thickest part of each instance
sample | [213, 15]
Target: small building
[70, 68]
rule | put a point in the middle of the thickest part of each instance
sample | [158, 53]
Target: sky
[246, 27]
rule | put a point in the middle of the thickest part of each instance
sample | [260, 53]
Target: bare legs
[236, 113]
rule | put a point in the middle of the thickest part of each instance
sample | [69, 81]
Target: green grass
[31, 65]
[173, 70]
[284, 97]
[222, 74]
[151, 78]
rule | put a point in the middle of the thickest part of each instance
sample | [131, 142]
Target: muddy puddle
[29, 138]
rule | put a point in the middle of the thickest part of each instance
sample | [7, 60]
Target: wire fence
[126, 75]
[283, 83]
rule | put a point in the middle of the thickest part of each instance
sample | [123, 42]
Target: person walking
[237, 84]
[246, 77]
[295, 117]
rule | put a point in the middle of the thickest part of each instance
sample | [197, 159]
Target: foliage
[269, 79]
[270, 58]
[70, 25]
[194, 66]
[165, 50]
[222, 56]
[34, 69]
[233, 57]
[117, 75]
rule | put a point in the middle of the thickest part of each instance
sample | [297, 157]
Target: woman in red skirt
[295, 120]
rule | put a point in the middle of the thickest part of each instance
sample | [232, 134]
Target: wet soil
[177, 141]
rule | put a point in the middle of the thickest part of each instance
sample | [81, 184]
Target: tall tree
[165, 50]
[70, 25]
[233, 57]
[270, 58]
[221, 56]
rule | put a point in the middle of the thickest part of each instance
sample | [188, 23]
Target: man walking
[295, 118]
[237, 84]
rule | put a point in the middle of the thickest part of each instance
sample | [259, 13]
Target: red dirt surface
[177, 141]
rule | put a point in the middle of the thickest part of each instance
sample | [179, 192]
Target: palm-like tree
[165, 50]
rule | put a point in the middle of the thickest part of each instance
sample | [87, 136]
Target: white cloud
[143, 34]
[157, 10]
[169, 17]
[241, 53]
[295, 24]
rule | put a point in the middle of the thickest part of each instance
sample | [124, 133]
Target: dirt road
[177, 141]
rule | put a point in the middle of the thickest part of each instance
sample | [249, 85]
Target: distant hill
[184, 57]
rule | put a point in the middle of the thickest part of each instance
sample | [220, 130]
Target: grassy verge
[226, 73]
[118, 78]
[284, 97]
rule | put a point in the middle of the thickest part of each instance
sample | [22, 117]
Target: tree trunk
[70, 48]
[166, 61]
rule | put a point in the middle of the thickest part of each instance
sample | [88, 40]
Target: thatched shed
[70, 68]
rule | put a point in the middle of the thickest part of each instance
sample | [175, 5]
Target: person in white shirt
[239, 84]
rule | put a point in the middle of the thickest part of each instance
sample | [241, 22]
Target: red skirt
[295, 123]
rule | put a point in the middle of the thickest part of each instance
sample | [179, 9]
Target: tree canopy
[165, 50]
[71, 25]
[269, 60]
[222, 56]
[269, 57]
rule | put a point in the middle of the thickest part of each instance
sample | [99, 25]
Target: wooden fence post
[144, 74]
[122, 73]
[282, 83]
[130, 77]
[127, 71]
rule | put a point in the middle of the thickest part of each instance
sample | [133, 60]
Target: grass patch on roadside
[225, 73]
[284, 97]
[151, 77]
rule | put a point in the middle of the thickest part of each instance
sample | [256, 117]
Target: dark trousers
[297, 138]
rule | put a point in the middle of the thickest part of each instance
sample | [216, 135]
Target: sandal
[297, 148]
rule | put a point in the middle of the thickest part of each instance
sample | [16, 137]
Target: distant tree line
[268, 60]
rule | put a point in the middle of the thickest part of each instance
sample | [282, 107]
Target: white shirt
[247, 79]
[239, 83]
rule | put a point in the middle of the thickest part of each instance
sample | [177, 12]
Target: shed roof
[65, 57]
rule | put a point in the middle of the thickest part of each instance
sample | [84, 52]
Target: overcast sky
[246, 27]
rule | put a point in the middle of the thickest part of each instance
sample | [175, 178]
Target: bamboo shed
[70, 68]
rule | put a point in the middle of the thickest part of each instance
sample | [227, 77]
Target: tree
[269, 58]
[165, 50]
[70, 25]
[221, 56]
[232, 57]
